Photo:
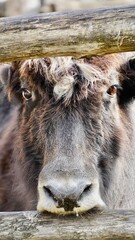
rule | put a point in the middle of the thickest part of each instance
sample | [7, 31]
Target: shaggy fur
[70, 125]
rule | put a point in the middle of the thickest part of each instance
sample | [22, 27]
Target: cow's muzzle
[68, 195]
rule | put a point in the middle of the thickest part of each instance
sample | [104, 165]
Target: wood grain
[77, 33]
[115, 225]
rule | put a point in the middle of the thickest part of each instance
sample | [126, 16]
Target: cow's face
[70, 129]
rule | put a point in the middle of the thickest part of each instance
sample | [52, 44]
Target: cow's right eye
[27, 95]
[112, 90]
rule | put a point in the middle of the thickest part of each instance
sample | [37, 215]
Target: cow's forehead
[63, 73]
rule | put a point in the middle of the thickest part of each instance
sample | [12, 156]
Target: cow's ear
[127, 82]
[5, 73]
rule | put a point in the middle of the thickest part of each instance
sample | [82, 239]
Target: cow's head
[70, 127]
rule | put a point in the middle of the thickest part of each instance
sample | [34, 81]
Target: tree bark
[75, 33]
[114, 225]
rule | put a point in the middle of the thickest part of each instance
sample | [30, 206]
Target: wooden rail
[113, 225]
[76, 33]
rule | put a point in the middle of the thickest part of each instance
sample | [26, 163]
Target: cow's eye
[26, 94]
[112, 90]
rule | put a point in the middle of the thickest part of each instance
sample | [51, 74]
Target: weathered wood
[77, 33]
[31, 226]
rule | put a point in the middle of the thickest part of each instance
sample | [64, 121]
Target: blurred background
[21, 7]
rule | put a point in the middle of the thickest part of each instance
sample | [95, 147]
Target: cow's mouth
[65, 208]
[75, 211]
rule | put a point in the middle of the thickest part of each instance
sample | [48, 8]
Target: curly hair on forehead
[67, 78]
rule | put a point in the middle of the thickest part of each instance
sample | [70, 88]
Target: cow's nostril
[86, 191]
[49, 193]
[87, 188]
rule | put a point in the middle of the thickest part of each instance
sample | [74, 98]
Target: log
[77, 33]
[113, 225]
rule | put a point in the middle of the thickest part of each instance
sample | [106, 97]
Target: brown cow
[67, 136]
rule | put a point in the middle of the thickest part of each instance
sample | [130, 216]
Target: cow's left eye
[112, 90]
[26, 94]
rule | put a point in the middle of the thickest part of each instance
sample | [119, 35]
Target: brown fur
[62, 87]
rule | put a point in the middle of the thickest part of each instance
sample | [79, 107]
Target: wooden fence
[77, 33]
[116, 225]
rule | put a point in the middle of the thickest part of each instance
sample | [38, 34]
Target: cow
[67, 134]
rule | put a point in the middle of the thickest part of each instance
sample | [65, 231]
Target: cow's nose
[63, 193]
[67, 195]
